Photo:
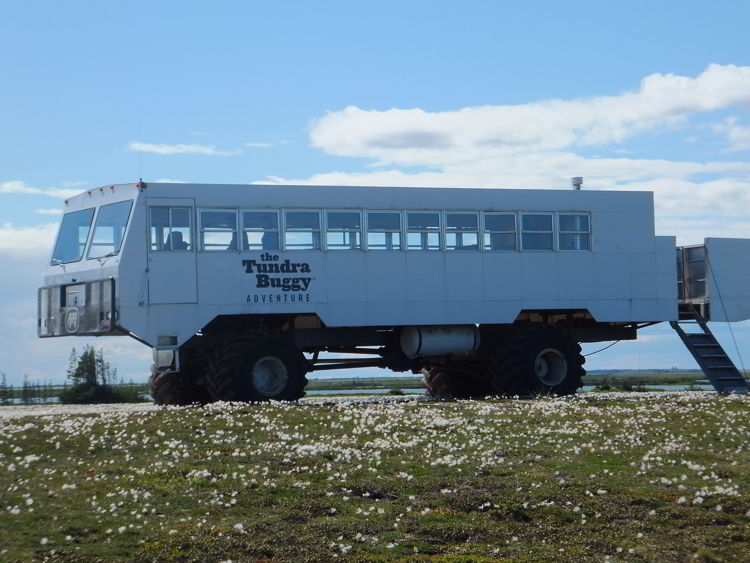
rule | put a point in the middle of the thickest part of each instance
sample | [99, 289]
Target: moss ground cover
[622, 476]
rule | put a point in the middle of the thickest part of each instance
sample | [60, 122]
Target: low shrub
[94, 393]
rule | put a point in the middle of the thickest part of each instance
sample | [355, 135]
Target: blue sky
[649, 95]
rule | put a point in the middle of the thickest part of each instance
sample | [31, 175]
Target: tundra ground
[621, 476]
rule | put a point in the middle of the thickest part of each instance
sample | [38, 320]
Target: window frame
[202, 245]
[515, 232]
[169, 208]
[551, 232]
[440, 230]
[559, 231]
[279, 230]
[400, 231]
[326, 230]
[477, 214]
[320, 231]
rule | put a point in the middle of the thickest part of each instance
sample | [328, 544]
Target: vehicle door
[172, 246]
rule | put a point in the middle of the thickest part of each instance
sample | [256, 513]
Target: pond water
[584, 389]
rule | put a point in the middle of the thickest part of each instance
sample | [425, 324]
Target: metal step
[711, 357]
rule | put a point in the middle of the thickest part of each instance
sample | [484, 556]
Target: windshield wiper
[108, 255]
[58, 262]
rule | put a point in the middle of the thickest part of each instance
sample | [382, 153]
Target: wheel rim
[269, 376]
[550, 367]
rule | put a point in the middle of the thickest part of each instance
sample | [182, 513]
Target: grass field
[624, 476]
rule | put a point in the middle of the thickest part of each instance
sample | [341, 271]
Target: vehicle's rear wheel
[535, 360]
[260, 366]
[445, 384]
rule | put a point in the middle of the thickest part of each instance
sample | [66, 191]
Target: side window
[423, 230]
[302, 230]
[500, 231]
[260, 230]
[575, 231]
[343, 230]
[536, 231]
[461, 231]
[384, 230]
[218, 230]
[170, 228]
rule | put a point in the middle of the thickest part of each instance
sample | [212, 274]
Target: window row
[292, 229]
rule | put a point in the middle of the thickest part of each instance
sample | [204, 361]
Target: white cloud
[419, 137]
[27, 241]
[264, 145]
[49, 211]
[169, 181]
[738, 136]
[534, 145]
[20, 187]
[181, 148]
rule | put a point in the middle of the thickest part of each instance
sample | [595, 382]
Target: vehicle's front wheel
[174, 388]
[445, 384]
[259, 367]
[184, 387]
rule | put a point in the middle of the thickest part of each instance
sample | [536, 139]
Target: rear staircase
[711, 357]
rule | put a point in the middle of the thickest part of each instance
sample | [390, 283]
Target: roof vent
[577, 182]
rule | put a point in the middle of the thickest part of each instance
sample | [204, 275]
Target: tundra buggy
[241, 290]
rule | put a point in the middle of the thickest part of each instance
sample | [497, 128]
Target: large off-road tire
[445, 384]
[174, 388]
[169, 387]
[534, 360]
[260, 366]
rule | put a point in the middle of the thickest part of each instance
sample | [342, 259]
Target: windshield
[110, 229]
[73, 235]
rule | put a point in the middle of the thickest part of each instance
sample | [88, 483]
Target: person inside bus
[176, 242]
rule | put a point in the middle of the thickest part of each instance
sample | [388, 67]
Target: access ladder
[711, 357]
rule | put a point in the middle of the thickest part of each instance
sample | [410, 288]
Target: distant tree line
[94, 380]
[90, 379]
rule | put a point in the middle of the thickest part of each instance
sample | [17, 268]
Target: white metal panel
[728, 278]
[629, 274]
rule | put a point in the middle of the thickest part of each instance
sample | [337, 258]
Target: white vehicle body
[327, 257]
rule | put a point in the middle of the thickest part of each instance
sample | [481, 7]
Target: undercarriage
[269, 363]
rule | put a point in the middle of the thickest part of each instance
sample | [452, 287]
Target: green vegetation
[342, 384]
[618, 380]
[92, 377]
[639, 476]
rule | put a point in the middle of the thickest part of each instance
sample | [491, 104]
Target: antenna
[140, 153]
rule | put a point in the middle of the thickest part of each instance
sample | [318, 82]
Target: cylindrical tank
[419, 341]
